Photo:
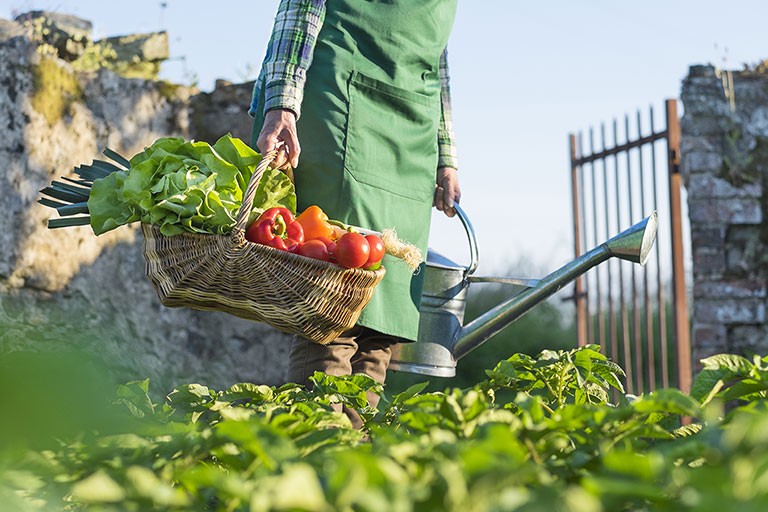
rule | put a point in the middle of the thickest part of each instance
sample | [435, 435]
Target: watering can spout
[633, 244]
[443, 340]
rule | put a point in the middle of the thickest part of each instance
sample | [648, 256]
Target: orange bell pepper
[315, 223]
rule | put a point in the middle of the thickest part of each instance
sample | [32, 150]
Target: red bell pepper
[276, 227]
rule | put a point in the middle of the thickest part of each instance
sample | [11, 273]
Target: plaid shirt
[289, 55]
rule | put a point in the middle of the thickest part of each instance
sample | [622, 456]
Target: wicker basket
[298, 295]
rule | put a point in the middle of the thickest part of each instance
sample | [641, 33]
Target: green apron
[368, 133]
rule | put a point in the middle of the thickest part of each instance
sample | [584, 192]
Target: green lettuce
[183, 185]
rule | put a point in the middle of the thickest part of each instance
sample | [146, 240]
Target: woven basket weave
[298, 295]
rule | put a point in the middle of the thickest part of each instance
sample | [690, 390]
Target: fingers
[447, 191]
[444, 200]
[294, 149]
[279, 131]
[281, 159]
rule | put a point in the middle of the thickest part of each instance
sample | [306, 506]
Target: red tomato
[352, 250]
[314, 249]
[377, 252]
[329, 244]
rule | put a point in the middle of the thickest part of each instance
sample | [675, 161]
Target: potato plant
[559, 443]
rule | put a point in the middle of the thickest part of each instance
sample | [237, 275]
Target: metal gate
[639, 315]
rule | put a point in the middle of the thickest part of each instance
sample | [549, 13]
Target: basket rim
[236, 238]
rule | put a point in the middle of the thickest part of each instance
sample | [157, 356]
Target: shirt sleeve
[446, 143]
[289, 55]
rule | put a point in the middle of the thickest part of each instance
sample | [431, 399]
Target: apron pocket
[391, 138]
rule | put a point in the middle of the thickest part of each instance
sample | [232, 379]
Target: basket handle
[250, 191]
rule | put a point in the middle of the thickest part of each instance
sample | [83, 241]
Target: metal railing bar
[616, 149]
[614, 343]
[622, 305]
[596, 240]
[649, 331]
[660, 295]
[636, 334]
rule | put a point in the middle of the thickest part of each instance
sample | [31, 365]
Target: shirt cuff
[446, 151]
[283, 94]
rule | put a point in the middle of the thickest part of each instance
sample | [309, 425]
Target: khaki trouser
[358, 350]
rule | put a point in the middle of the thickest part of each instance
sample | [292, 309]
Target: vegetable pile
[313, 235]
[188, 186]
[175, 184]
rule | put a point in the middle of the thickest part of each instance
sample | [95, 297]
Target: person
[367, 129]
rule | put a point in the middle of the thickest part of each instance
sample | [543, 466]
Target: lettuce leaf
[184, 185]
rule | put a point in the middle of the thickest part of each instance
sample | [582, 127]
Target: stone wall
[64, 289]
[725, 166]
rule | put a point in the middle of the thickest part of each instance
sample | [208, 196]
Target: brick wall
[725, 165]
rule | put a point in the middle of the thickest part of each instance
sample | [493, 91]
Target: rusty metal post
[660, 295]
[679, 291]
[600, 329]
[650, 349]
[578, 295]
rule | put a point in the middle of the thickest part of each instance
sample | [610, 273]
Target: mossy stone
[56, 88]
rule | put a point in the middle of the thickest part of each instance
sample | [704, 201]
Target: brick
[698, 162]
[758, 119]
[703, 186]
[748, 340]
[710, 336]
[690, 144]
[743, 250]
[729, 311]
[708, 262]
[713, 238]
[735, 289]
[725, 211]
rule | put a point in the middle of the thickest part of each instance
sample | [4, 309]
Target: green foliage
[184, 185]
[95, 56]
[56, 89]
[559, 444]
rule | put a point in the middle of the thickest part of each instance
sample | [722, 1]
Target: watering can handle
[473, 253]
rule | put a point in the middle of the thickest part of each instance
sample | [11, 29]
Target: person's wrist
[444, 172]
[280, 111]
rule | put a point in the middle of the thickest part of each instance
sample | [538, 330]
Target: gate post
[578, 295]
[679, 292]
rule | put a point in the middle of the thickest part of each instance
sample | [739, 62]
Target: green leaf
[744, 390]
[708, 383]
[688, 430]
[113, 155]
[732, 362]
[50, 203]
[247, 391]
[637, 465]
[669, 401]
[68, 222]
[189, 186]
[106, 206]
[135, 396]
[65, 195]
[191, 397]
[96, 170]
[98, 488]
[147, 485]
[73, 209]
[298, 487]
[410, 392]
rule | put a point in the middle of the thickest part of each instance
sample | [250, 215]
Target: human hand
[279, 131]
[447, 191]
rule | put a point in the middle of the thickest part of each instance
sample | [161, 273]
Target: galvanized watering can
[443, 338]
